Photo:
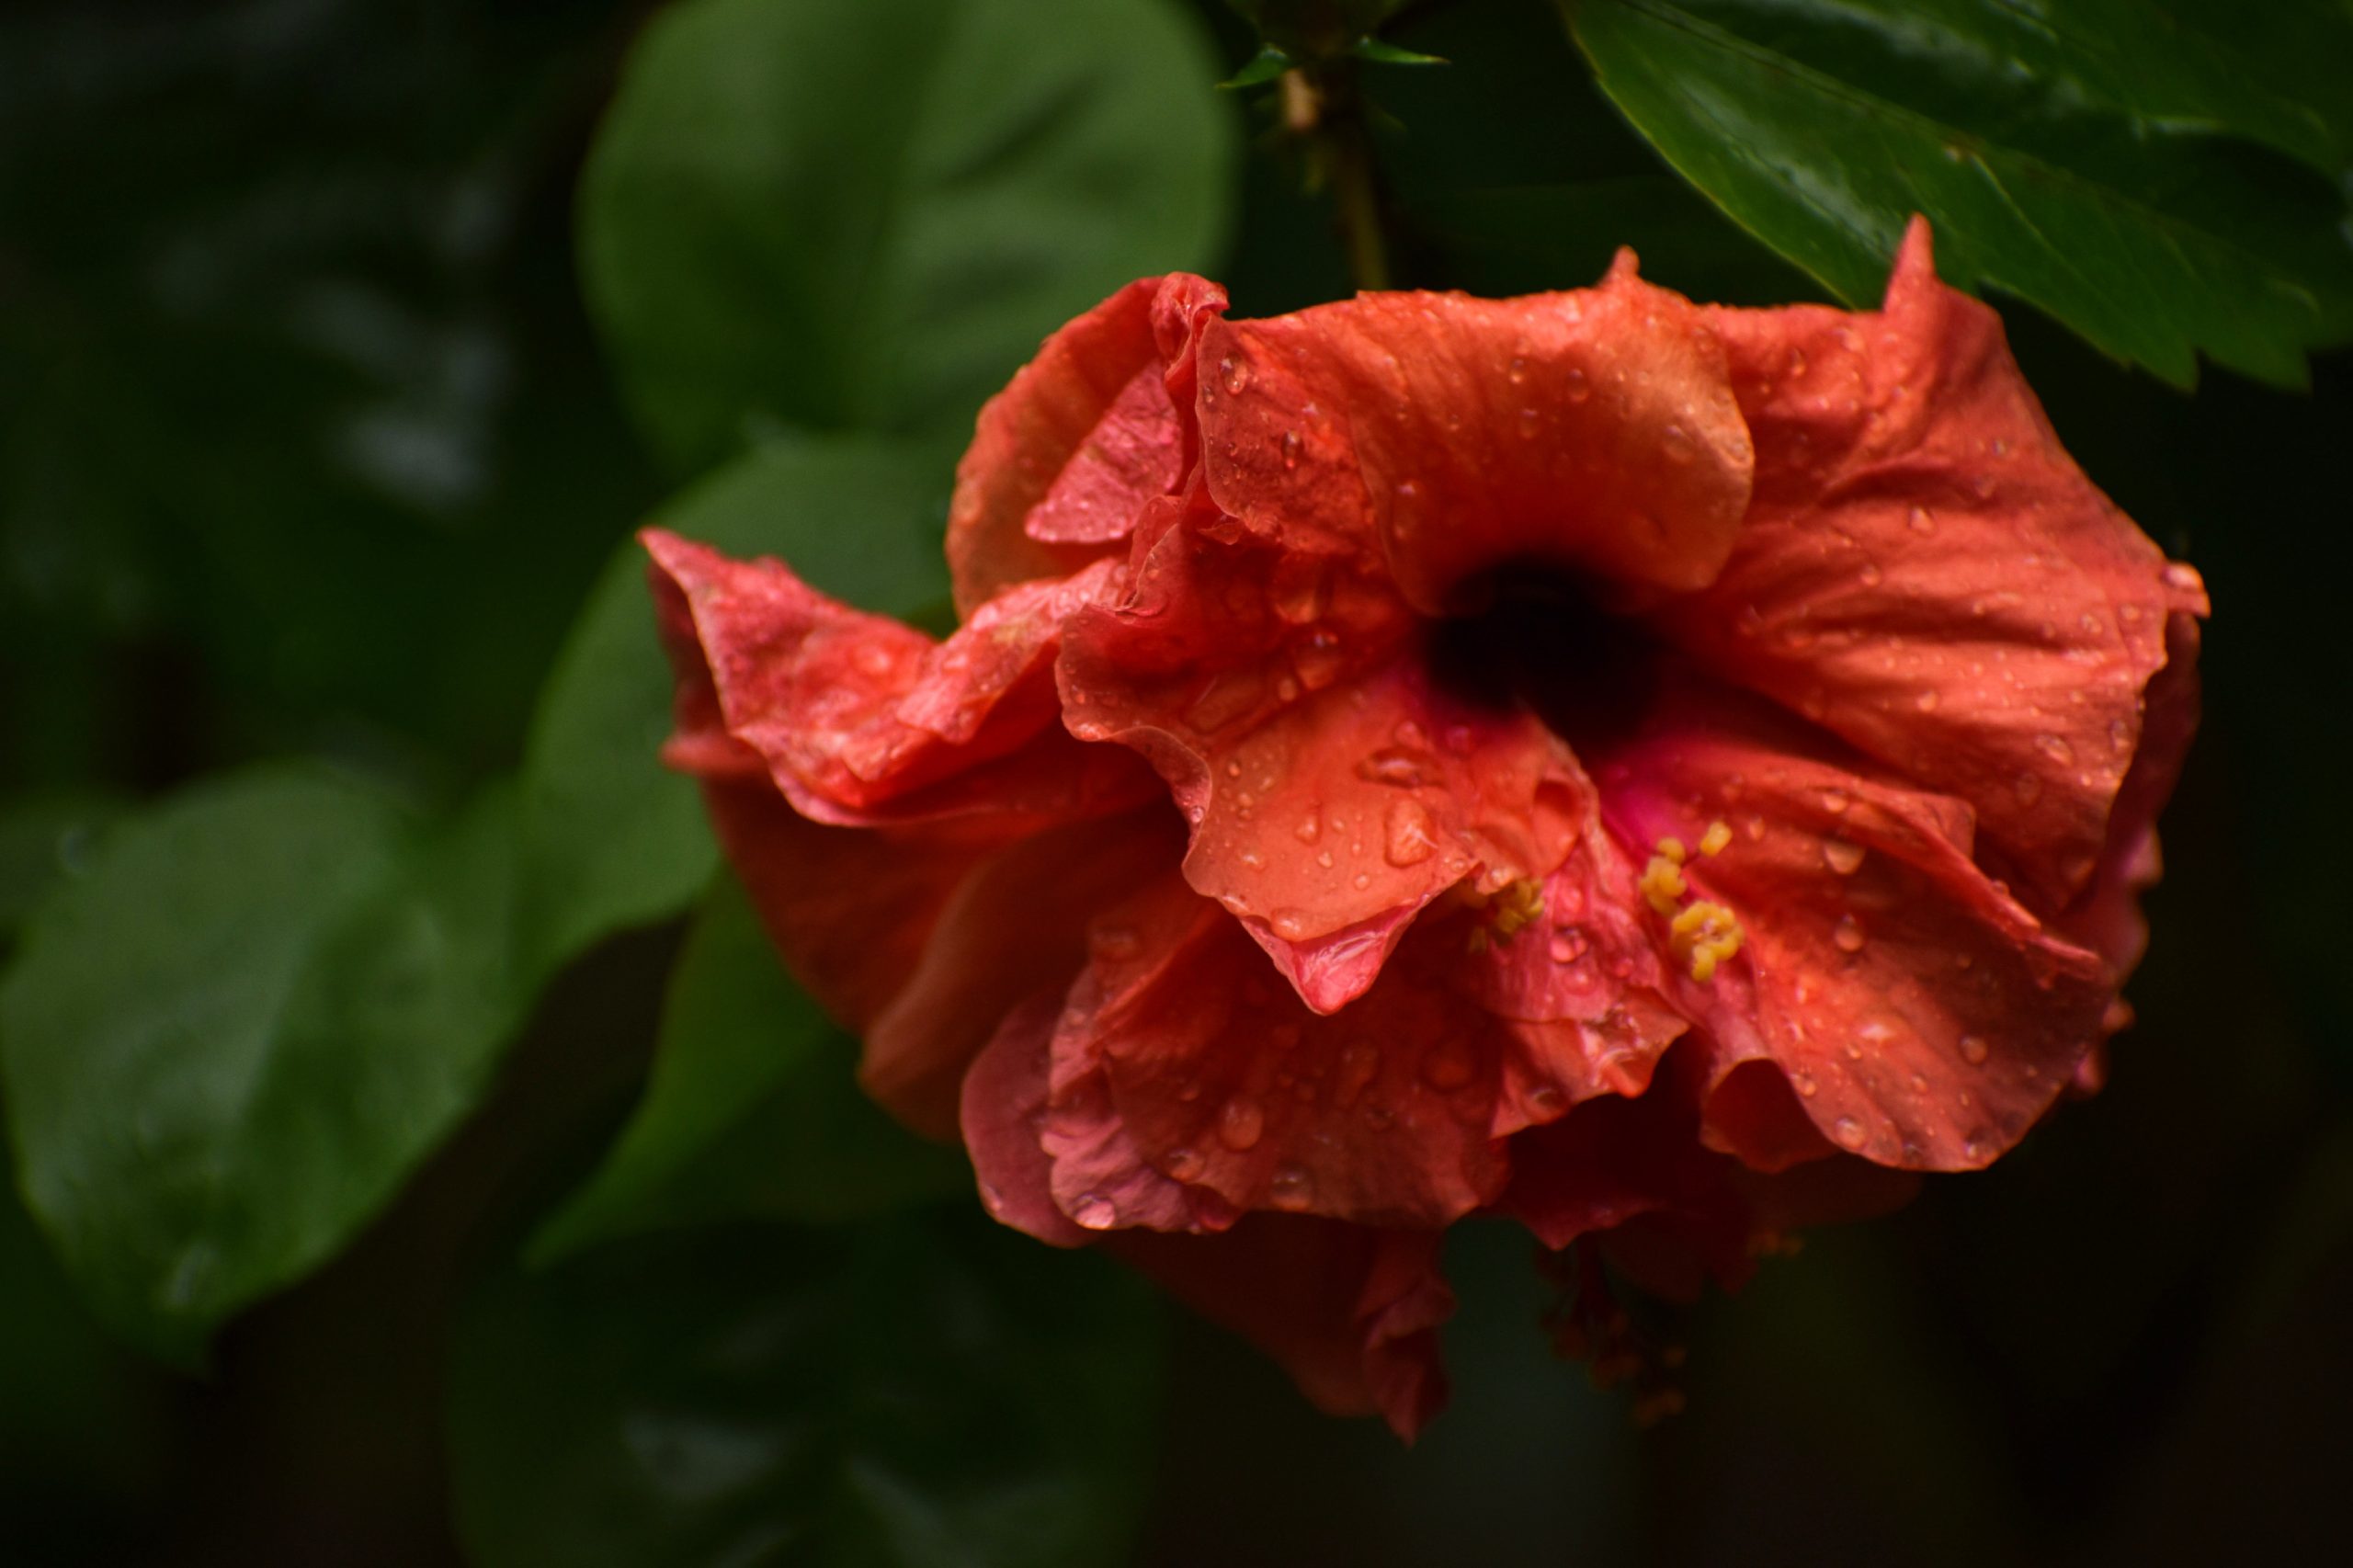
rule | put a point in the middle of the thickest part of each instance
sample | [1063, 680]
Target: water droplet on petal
[1094, 1212]
[2056, 748]
[1974, 1050]
[1448, 1066]
[1240, 1124]
[1849, 1131]
[1573, 385]
[1870, 575]
[1236, 373]
[1676, 443]
[1842, 856]
[1292, 925]
[1805, 1083]
[1291, 449]
[1847, 935]
[1412, 836]
[1398, 766]
[1185, 1164]
[1835, 801]
[1310, 828]
[1923, 521]
[1290, 1189]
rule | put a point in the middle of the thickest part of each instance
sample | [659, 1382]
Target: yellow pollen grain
[1703, 936]
[1672, 850]
[1512, 909]
[1662, 882]
[1713, 842]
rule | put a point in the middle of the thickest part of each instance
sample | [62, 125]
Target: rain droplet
[1847, 935]
[1290, 449]
[1926, 701]
[1835, 801]
[1849, 1131]
[1310, 828]
[1567, 947]
[1448, 1066]
[1236, 373]
[1413, 838]
[1397, 766]
[1546, 1100]
[1290, 1189]
[1517, 371]
[1226, 700]
[2056, 748]
[1185, 1164]
[1974, 1050]
[1240, 1123]
[1292, 925]
[1573, 385]
[1094, 1212]
[1842, 856]
[1923, 521]
[1676, 443]
[1805, 1082]
[1870, 575]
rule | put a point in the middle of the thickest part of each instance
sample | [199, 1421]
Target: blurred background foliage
[385, 1064]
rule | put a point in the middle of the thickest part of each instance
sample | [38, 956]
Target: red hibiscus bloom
[1663, 773]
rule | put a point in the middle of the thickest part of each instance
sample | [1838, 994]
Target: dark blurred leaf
[613, 839]
[865, 214]
[42, 838]
[304, 442]
[228, 1042]
[2119, 168]
[917, 1395]
[753, 1111]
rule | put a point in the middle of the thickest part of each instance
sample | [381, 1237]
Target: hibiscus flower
[1663, 773]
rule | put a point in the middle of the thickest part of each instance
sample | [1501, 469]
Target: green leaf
[228, 1042]
[42, 839]
[1379, 53]
[753, 1111]
[1265, 67]
[611, 838]
[930, 1391]
[2095, 167]
[864, 214]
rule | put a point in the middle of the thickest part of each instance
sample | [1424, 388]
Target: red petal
[1927, 574]
[1179, 1060]
[861, 719]
[1326, 812]
[1064, 457]
[1015, 922]
[1923, 1016]
[1351, 1311]
[1584, 984]
[1594, 429]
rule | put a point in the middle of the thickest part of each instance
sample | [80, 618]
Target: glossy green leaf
[753, 1110]
[2132, 174]
[918, 1394]
[864, 214]
[230, 1039]
[612, 839]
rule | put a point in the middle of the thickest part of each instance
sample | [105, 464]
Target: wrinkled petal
[1064, 457]
[1673, 1213]
[1595, 430]
[1351, 1311]
[1926, 573]
[860, 719]
[1178, 1059]
[1583, 986]
[1326, 813]
[1016, 922]
[1924, 1017]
